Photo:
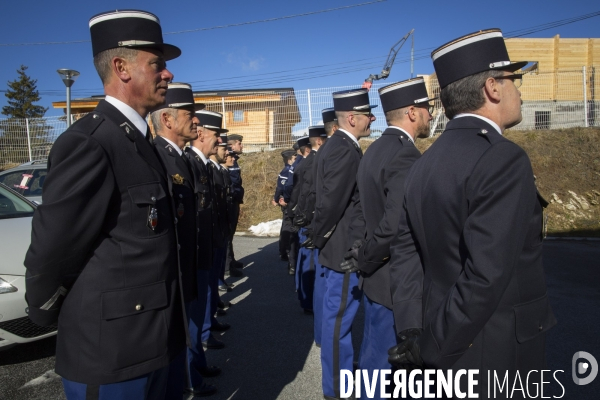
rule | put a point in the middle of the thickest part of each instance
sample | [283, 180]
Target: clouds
[240, 58]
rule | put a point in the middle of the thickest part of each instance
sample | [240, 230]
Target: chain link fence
[275, 119]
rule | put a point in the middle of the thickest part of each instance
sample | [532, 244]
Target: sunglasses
[367, 113]
[516, 78]
[429, 108]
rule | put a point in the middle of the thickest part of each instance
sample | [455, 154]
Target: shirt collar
[129, 113]
[350, 136]
[400, 129]
[174, 145]
[489, 121]
[216, 163]
[200, 154]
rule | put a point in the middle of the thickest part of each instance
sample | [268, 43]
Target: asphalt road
[269, 350]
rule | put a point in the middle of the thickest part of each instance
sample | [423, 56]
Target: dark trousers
[196, 311]
[318, 294]
[284, 234]
[288, 238]
[230, 256]
[215, 274]
[305, 273]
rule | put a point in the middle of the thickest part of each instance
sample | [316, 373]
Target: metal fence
[552, 100]
[268, 120]
[23, 140]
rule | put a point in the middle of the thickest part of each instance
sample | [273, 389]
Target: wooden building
[560, 89]
[264, 117]
[560, 62]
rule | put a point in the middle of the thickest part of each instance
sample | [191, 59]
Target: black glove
[299, 219]
[350, 263]
[308, 243]
[407, 353]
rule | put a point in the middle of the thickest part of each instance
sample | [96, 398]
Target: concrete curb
[250, 235]
[591, 239]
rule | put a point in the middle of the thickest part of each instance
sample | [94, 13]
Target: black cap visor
[512, 67]
[168, 51]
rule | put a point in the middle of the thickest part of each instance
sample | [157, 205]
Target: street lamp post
[68, 76]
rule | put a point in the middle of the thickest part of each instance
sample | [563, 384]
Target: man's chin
[515, 123]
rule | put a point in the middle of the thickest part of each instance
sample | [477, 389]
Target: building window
[238, 116]
[542, 120]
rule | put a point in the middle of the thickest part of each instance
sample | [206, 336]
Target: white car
[27, 179]
[15, 235]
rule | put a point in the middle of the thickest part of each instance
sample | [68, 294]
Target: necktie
[149, 136]
[187, 163]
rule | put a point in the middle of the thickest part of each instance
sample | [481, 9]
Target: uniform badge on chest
[152, 218]
[180, 210]
[177, 179]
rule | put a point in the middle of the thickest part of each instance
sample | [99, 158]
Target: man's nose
[167, 75]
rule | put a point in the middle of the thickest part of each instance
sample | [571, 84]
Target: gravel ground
[270, 353]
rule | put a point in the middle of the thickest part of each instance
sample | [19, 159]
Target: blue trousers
[340, 304]
[196, 311]
[305, 274]
[154, 385]
[318, 293]
[378, 336]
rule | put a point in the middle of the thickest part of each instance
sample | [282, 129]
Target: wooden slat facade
[261, 117]
[560, 64]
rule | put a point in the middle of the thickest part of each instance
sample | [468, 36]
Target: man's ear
[351, 118]
[492, 90]
[165, 118]
[120, 67]
[412, 113]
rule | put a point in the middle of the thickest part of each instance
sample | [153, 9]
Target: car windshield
[28, 182]
[12, 206]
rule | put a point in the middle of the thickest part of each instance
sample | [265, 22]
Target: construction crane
[387, 67]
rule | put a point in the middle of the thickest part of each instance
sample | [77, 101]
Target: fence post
[28, 139]
[223, 108]
[585, 104]
[309, 108]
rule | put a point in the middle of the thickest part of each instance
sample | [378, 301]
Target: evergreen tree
[22, 93]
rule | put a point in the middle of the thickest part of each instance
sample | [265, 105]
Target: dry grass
[259, 174]
[563, 161]
[566, 163]
[567, 166]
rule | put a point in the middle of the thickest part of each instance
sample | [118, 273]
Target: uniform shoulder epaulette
[490, 135]
[90, 123]
[402, 138]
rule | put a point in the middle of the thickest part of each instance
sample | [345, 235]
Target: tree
[21, 94]
[22, 114]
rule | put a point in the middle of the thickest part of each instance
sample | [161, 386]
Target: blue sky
[328, 49]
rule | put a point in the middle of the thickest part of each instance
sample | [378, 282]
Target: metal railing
[553, 100]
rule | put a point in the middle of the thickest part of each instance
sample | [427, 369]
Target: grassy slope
[563, 161]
